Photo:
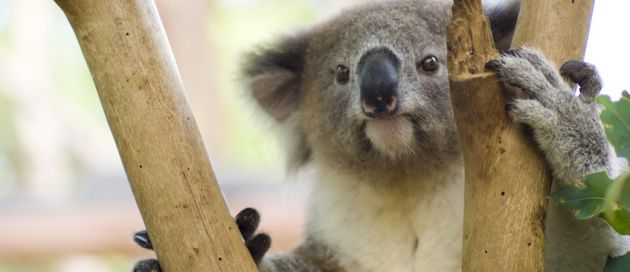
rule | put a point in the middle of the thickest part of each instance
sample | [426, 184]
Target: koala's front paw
[247, 221]
[148, 265]
[258, 244]
[566, 127]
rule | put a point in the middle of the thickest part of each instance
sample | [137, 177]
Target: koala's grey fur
[557, 115]
[397, 204]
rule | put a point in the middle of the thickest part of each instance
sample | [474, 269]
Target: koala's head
[366, 91]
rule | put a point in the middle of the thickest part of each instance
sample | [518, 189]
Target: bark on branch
[507, 180]
[506, 176]
[126, 49]
[557, 28]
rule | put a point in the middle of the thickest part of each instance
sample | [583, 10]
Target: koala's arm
[567, 129]
[311, 256]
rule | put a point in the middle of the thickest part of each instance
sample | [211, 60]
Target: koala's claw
[148, 265]
[247, 221]
[577, 71]
[142, 239]
[258, 244]
[585, 75]
[493, 65]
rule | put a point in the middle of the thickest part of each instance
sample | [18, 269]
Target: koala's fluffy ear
[274, 73]
[274, 78]
[503, 18]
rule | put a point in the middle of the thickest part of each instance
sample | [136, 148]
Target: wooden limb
[506, 182]
[126, 49]
[557, 28]
[507, 179]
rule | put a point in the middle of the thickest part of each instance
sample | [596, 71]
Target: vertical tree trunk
[139, 86]
[507, 180]
[506, 177]
[557, 28]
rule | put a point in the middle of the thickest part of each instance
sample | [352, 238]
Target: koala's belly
[419, 229]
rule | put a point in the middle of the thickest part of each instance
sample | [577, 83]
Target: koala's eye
[429, 64]
[343, 74]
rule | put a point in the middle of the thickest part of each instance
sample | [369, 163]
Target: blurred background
[65, 204]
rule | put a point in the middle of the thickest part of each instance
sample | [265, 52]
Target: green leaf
[618, 264]
[616, 119]
[619, 219]
[624, 198]
[616, 207]
[585, 202]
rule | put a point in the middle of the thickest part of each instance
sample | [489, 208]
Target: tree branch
[126, 49]
[507, 180]
[506, 176]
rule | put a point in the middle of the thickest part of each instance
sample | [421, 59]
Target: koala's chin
[393, 137]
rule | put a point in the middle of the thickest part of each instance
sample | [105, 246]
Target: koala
[365, 98]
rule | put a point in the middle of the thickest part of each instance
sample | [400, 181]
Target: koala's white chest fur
[409, 225]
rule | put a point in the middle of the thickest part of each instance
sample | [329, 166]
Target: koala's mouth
[393, 136]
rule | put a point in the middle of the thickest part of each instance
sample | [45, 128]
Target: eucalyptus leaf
[585, 202]
[616, 119]
[624, 199]
[619, 219]
[618, 264]
[616, 207]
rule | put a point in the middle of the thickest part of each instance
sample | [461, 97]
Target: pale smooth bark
[135, 74]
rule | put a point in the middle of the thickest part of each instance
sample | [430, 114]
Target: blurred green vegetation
[10, 153]
[4, 15]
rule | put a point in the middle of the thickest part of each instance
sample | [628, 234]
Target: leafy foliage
[617, 211]
[601, 196]
[616, 119]
[585, 202]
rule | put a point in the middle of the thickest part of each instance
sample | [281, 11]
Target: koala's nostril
[378, 81]
[386, 107]
[390, 104]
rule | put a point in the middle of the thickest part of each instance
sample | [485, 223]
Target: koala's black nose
[378, 81]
